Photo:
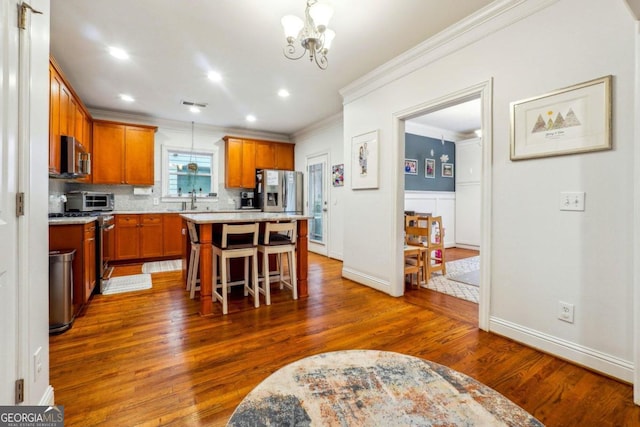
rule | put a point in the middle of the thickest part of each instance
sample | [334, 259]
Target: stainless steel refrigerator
[279, 191]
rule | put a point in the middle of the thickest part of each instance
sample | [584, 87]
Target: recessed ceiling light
[118, 53]
[194, 109]
[283, 93]
[251, 118]
[126, 98]
[214, 76]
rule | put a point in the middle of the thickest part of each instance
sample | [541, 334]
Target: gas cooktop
[73, 214]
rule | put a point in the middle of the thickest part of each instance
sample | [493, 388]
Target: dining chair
[279, 239]
[417, 234]
[412, 263]
[236, 241]
[193, 283]
[435, 250]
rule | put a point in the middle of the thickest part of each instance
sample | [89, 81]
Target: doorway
[318, 203]
[482, 92]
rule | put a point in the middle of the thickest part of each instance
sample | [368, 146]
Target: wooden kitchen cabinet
[82, 238]
[67, 116]
[244, 156]
[151, 237]
[172, 235]
[142, 236]
[122, 153]
[284, 156]
[240, 162]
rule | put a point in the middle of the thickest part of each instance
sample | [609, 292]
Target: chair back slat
[193, 233]
[285, 229]
[232, 230]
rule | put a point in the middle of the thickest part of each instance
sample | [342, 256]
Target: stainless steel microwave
[75, 162]
[88, 201]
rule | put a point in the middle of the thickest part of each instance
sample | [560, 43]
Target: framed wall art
[447, 170]
[572, 120]
[364, 161]
[429, 168]
[410, 167]
[337, 174]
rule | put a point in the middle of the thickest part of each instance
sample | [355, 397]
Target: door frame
[485, 91]
[313, 246]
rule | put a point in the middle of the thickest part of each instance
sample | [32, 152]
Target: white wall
[539, 254]
[326, 137]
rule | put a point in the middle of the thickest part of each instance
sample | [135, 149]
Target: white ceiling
[463, 118]
[173, 44]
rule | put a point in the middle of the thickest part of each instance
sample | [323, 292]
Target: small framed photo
[429, 168]
[337, 172]
[447, 170]
[410, 167]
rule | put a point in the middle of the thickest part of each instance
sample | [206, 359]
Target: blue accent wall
[419, 148]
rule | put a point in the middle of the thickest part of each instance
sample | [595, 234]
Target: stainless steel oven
[104, 248]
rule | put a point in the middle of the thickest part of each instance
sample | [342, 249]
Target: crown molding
[324, 123]
[182, 126]
[486, 21]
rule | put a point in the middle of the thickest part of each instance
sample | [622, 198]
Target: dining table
[205, 223]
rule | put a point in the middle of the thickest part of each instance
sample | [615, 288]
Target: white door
[318, 203]
[9, 369]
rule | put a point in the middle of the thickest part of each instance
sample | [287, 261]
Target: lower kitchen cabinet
[142, 236]
[82, 238]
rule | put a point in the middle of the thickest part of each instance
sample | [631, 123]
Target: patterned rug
[374, 388]
[121, 284]
[162, 266]
[457, 289]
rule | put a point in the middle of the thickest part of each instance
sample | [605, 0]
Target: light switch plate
[572, 200]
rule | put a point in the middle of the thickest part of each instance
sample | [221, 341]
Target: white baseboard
[575, 353]
[48, 398]
[463, 246]
[336, 255]
[365, 279]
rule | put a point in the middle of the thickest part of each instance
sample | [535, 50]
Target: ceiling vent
[194, 104]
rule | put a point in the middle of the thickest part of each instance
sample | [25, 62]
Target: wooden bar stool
[236, 241]
[278, 238]
[193, 283]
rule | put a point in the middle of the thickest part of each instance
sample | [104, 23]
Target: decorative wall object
[447, 170]
[430, 168]
[337, 173]
[364, 161]
[572, 120]
[419, 147]
[410, 167]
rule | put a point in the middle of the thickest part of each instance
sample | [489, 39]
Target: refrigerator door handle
[284, 192]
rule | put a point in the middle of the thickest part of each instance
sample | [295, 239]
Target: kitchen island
[205, 223]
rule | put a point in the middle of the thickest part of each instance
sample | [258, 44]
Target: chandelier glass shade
[310, 36]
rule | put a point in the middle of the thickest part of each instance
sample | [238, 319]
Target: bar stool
[278, 238]
[193, 283]
[236, 241]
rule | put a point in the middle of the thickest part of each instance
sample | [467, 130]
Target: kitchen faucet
[193, 200]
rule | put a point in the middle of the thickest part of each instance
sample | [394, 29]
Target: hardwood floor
[148, 358]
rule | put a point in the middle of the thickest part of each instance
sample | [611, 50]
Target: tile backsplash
[125, 200]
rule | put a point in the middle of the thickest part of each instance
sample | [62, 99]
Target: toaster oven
[88, 201]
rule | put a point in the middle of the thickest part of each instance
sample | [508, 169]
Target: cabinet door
[233, 163]
[78, 121]
[88, 145]
[138, 155]
[151, 236]
[284, 156]
[89, 258]
[265, 155]
[126, 237]
[54, 121]
[108, 153]
[65, 113]
[172, 235]
[248, 164]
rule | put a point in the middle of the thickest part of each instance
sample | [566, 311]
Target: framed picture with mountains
[572, 120]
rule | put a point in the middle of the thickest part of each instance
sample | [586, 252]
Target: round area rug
[374, 388]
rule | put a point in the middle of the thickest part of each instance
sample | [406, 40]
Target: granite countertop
[78, 220]
[240, 216]
[178, 211]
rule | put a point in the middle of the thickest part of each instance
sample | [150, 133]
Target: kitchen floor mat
[121, 284]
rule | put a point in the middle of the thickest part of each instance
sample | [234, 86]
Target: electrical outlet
[156, 201]
[565, 311]
[572, 201]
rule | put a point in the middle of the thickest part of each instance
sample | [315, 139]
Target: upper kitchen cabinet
[67, 116]
[243, 156]
[122, 153]
[240, 163]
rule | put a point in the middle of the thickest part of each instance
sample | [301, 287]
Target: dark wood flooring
[148, 358]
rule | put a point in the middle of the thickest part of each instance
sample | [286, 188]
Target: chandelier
[312, 33]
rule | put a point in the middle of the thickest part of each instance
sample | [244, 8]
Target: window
[185, 171]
